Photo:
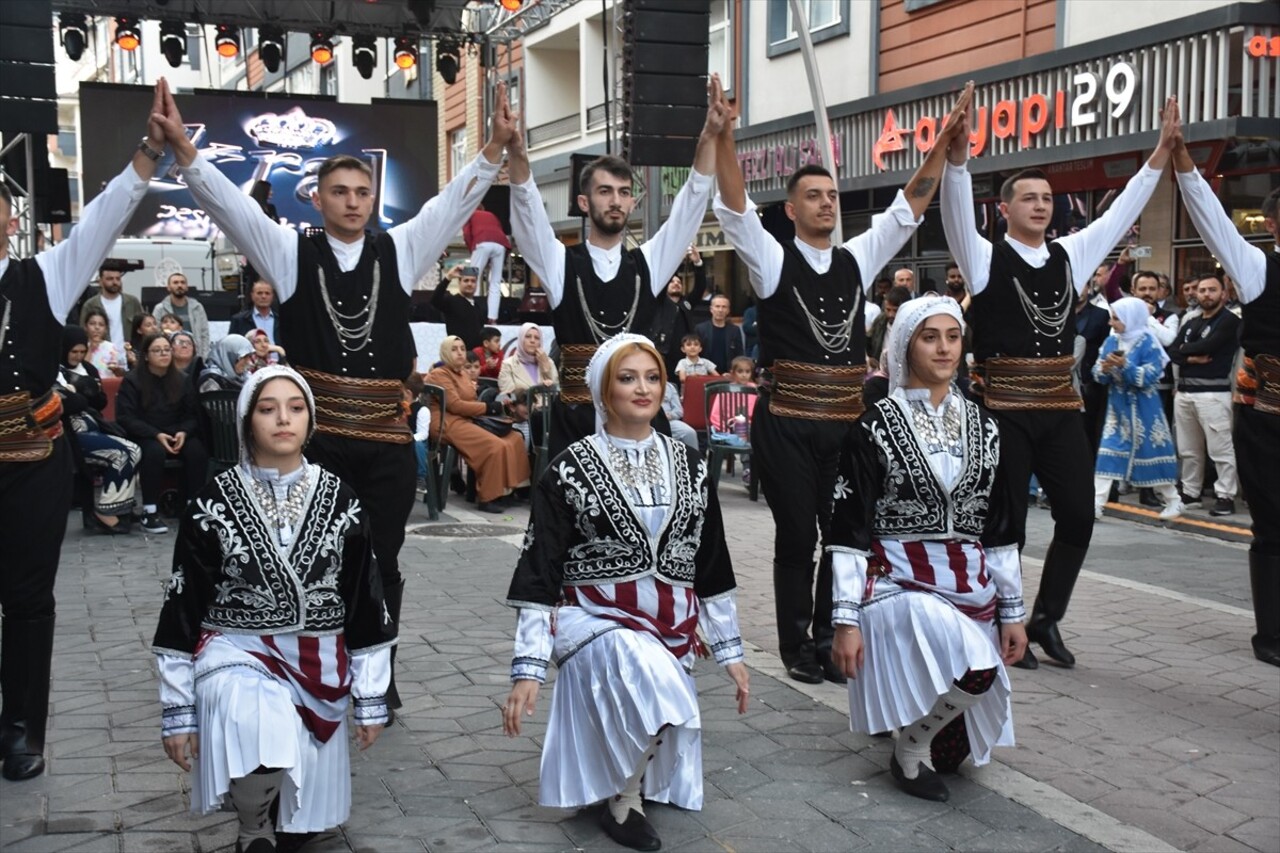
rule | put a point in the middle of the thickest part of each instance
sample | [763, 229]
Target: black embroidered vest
[608, 303]
[914, 505]
[307, 330]
[1260, 332]
[29, 354]
[1001, 319]
[785, 330]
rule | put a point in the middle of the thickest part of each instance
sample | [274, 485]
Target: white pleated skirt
[247, 720]
[916, 644]
[617, 690]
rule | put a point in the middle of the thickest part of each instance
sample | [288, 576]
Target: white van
[197, 258]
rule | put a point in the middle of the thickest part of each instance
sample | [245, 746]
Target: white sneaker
[1097, 510]
[1172, 510]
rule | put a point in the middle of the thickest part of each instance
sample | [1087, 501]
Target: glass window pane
[823, 13]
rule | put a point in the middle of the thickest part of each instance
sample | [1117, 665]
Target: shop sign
[1083, 105]
[779, 161]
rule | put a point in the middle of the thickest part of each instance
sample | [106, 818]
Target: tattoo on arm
[923, 187]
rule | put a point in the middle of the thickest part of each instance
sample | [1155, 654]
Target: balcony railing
[595, 115]
[561, 127]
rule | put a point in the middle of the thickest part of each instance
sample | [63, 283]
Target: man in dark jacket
[722, 341]
[261, 316]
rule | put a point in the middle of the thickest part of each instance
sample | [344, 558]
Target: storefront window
[1241, 196]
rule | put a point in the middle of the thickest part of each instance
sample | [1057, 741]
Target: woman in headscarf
[264, 352]
[273, 619]
[228, 364]
[111, 460]
[625, 555]
[500, 463]
[927, 587]
[531, 366]
[1137, 444]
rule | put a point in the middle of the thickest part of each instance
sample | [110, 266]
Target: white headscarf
[224, 355]
[596, 378]
[1134, 313]
[910, 316]
[255, 381]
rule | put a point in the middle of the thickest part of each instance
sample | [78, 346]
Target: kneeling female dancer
[928, 587]
[624, 558]
[273, 616]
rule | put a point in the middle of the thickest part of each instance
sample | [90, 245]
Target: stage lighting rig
[271, 42]
[128, 33]
[448, 60]
[227, 41]
[73, 28]
[173, 42]
[364, 55]
[322, 46]
[406, 54]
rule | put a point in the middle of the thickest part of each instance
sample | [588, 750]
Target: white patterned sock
[629, 798]
[252, 796]
[912, 748]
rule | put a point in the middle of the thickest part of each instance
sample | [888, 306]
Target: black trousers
[35, 498]
[797, 460]
[195, 467]
[1095, 413]
[572, 421]
[1054, 447]
[1256, 436]
[384, 477]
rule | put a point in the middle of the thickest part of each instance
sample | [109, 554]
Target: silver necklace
[937, 434]
[645, 475]
[1046, 323]
[357, 338]
[832, 337]
[282, 515]
[601, 330]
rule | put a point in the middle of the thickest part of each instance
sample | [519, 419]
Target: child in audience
[693, 364]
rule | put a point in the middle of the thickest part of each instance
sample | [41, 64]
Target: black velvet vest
[608, 302]
[785, 331]
[1260, 332]
[29, 357]
[307, 330]
[999, 319]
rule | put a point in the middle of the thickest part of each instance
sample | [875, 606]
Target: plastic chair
[539, 398]
[219, 408]
[693, 399]
[110, 387]
[728, 400]
[441, 457]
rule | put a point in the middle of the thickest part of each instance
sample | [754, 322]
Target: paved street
[1166, 736]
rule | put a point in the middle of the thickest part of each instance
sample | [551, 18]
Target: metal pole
[801, 22]
[31, 196]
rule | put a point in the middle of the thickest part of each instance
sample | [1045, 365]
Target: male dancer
[1024, 293]
[813, 347]
[596, 289]
[1256, 274]
[344, 313]
[36, 294]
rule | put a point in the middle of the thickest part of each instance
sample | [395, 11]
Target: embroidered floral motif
[176, 582]
[843, 489]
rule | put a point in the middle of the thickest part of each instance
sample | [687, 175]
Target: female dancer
[927, 581]
[273, 616]
[627, 539]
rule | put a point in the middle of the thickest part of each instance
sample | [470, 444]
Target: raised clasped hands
[955, 130]
[719, 113]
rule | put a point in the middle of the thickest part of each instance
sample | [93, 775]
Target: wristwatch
[145, 147]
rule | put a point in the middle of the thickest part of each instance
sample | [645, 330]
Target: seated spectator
[490, 352]
[674, 410]
[472, 369]
[419, 422]
[530, 366]
[228, 365]
[184, 353]
[264, 352]
[170, 324]
[726, 424]
[500, 463]
[103, 354]
[139, 327]
[111, 459]
[693, 364]
[159, 411]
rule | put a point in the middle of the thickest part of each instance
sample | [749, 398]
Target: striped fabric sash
[369, 409]
[28, 428]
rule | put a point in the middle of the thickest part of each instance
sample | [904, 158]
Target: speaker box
[576, 164]
[665, 87]
[53, 196]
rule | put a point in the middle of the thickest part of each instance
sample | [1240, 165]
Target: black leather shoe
[806, 671]
[927, 785]
[292, 842]
[22, 766]
[1147, 497]
[1044, 632]
[1028, 660]
[635, 832]
[830, 671]
[257, 845]
[489, 506]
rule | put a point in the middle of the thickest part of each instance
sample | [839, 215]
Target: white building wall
[1082, 21]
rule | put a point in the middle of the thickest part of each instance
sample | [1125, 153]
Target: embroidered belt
[369, 409]
[28, 428]
[574, 359]
[1011, 384]
[816, 392]
[1258, 383]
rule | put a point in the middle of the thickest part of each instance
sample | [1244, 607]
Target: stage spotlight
[128, 33]
[447, 61]
[173, 42]
[227, 42]
[322, 46]
[364, 55]
[511, 5]
[406, 52]
[73, 34]
[271, 41]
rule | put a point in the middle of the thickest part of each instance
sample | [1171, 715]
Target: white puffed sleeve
[718, 618]
[533, 645]
[177, 694]
[370, 680]
[848, 586]
[1004, 564]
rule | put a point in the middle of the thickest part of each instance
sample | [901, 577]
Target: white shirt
[69, 266]
[763, 254]
[663, 252]
[1245, 263]
[113, 306]
[272, 248]
[1085, 249]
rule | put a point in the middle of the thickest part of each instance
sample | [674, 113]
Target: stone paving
[1166, 736]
